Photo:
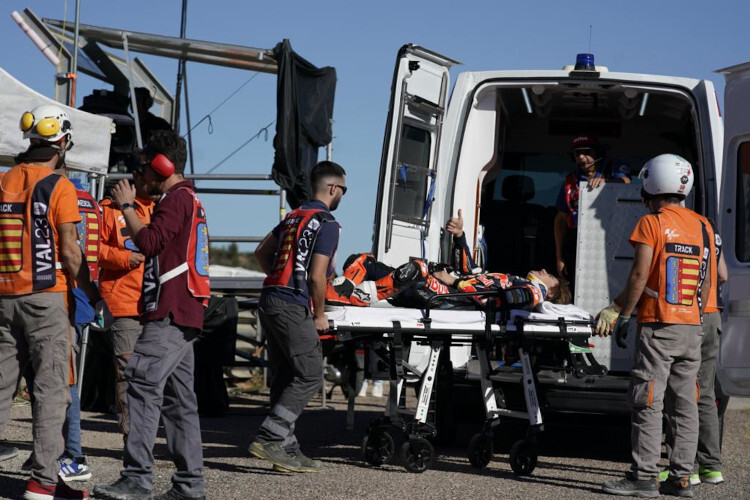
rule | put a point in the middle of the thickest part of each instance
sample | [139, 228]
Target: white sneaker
[363, 390]
[377, 389]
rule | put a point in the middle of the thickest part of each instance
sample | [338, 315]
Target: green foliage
[231, 256]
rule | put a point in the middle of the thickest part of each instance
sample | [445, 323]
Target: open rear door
[410, 152]
[734, 356]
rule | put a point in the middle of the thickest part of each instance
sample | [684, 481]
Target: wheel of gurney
[480, 450]
[418, 454]
[523, 457]
[378, 447]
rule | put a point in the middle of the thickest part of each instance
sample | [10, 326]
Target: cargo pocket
[641, 391]
[145, 365]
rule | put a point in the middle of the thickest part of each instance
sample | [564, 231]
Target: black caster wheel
[480, 450]
[523, 457]
[378, 447]
[418, 454]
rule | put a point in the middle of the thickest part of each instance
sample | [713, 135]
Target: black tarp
[304, 102]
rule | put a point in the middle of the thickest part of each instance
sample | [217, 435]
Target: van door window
[742, 245]
[412, 176]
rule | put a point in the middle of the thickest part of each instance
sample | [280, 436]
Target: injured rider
[366, 281]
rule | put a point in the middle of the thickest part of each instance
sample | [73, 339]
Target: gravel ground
[576, 455]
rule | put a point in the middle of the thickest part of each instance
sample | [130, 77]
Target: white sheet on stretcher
[383, 314]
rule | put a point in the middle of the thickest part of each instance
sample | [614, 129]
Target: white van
[498, 150]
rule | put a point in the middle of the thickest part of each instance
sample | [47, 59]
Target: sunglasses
[343, 188]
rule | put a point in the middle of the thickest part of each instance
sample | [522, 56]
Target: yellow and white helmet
[46, 122]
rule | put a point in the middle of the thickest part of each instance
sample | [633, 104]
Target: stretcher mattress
[462, 324]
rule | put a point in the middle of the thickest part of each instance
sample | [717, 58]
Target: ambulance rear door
[419, 95]
[734, 226]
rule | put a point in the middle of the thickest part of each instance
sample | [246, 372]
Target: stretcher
[405, 434]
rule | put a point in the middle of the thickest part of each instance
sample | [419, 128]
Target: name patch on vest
[13, 208]
[679, 248]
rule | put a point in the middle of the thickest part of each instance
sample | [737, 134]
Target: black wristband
[125, 206]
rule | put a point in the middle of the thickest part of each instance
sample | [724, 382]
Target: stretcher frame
[396, 433]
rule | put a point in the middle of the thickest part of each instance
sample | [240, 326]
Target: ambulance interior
[534, 128]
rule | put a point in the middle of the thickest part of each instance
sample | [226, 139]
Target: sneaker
[122, 489]
[695, 480]
[677, 486]
[7, 452]
[643, 488]
[275, 454]
[710, 476]
[74, 469]
[173, 494]
[36, 491]
[363, 390]
[663, 475]
[307, 464]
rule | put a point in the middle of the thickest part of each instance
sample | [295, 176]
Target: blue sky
[360, 39]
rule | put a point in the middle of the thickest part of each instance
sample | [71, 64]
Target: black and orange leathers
[413, 285]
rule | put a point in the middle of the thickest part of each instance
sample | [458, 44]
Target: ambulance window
[742, 245]
[411, 177]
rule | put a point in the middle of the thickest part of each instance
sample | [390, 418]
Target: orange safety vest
[681, 259]
[196, 263]
[28, 251]
[88, 230]
[295, 249]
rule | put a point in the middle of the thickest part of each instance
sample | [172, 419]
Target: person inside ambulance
[589, 157]
[176, 288]
[670, 283]
[122, 279]
[41, 258]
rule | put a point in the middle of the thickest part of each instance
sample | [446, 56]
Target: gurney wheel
[523, 457]
[480, 450]
[418, 454]
[378, 447]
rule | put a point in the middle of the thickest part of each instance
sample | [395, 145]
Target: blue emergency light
[585, 62]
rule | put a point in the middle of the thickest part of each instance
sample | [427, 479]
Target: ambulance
[497, 146]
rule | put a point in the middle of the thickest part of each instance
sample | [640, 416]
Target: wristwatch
[125, 206]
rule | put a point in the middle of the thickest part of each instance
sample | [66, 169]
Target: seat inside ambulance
[535, 125]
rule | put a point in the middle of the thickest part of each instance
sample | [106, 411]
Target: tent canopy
[91, 133]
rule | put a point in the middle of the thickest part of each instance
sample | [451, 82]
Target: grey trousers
[35, 329]
[296, 367]
[709, 437]
[667, 359]
[160, 383]
[125, 331]
[709, 430]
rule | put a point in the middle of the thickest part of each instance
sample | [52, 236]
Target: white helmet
[667, 174]
[46, 122]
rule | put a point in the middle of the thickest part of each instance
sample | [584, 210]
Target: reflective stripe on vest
[88, 231]
[28, 251]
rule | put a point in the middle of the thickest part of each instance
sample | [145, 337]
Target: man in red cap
[588, 156]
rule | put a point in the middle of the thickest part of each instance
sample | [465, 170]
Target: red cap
[584, 141]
